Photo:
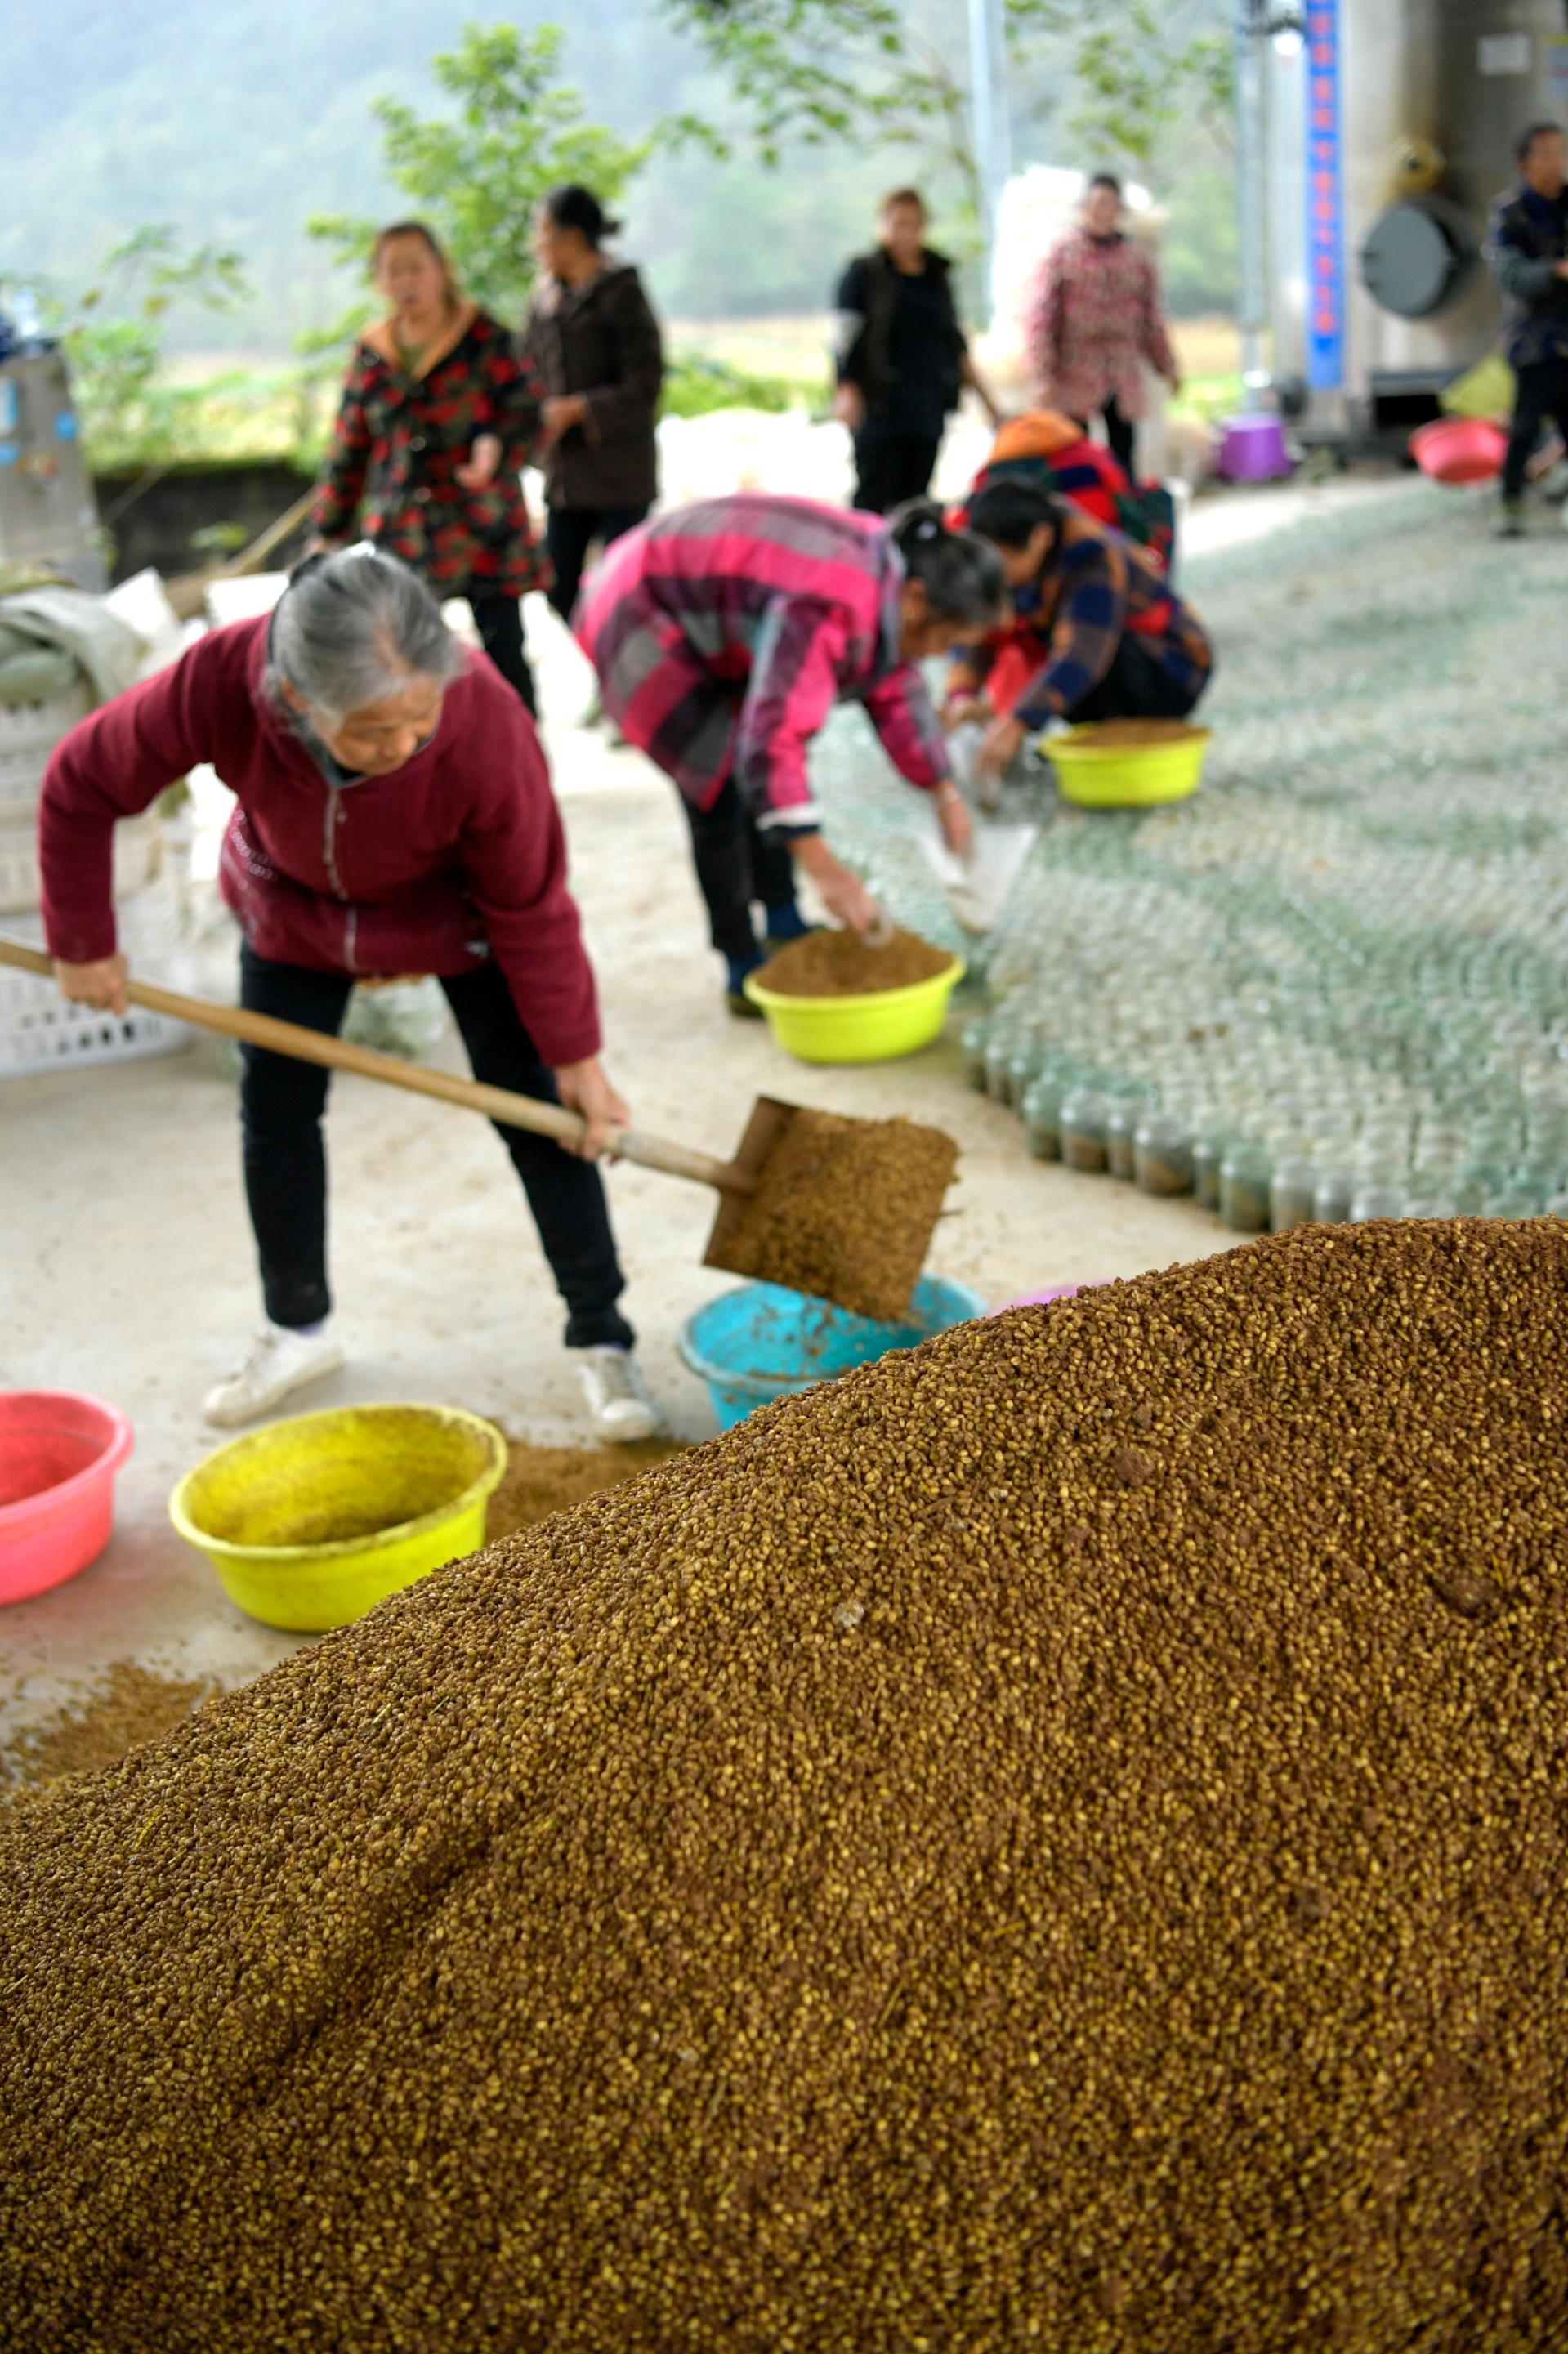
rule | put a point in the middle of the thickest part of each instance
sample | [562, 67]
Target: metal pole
[1250, 32]
[993, 131]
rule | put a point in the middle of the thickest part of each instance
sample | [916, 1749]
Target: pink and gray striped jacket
[724, 633]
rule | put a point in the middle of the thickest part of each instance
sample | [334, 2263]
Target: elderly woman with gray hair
[393, 815]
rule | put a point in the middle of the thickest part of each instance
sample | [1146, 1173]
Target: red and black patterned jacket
[400, 439]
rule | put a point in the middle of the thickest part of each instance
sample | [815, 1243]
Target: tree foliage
[476, 172]
[885, 72]
[114, 338]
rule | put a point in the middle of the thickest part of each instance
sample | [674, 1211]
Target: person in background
[1092, 321]
[723, 635]
[901, 357]
[594, 342]
[439, 416]
[1098, 634]
[1528, 250]
[393, 815]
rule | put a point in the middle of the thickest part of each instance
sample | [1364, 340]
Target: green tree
[114, 338]
[832, 72]
[477, 172]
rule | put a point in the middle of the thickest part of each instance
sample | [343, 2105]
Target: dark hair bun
[571, 206]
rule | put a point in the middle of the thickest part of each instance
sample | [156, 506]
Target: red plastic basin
[1459, 449]
[59, 1451]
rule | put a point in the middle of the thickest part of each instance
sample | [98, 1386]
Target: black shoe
[1511, 523]
[741, 1006]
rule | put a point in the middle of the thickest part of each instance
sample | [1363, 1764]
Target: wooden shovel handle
[472, 1095]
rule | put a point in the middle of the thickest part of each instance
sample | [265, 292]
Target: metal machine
[1391, 129]
[47, 511]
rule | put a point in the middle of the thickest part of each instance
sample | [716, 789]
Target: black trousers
[1135, 687]
[737, 862]
[499, 620]
[570, 533]
[892, 467]
[1540, 398]
[281, 1107]
[1121, 435]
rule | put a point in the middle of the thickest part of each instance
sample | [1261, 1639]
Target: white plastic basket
[39, 1031]
[138, 849]
[28, 734]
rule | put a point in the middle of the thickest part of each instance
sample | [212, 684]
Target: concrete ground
[125, 1261]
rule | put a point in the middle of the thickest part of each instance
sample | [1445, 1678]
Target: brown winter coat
[601, 340]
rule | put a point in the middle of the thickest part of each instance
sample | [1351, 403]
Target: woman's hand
[587, 1091]
[559, 415]
[842, 894]
[101, 984]
[1004, 739]
[953, 817]
[479, 468]
[848, 407]
[966, 711]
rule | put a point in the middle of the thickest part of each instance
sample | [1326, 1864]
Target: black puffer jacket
[602, 341]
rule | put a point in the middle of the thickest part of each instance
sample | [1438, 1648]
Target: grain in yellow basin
[313, 1520]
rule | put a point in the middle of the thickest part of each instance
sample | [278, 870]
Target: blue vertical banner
[1325, 202]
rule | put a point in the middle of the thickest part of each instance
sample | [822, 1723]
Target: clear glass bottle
[1376, 1196]
[1245, 1174]
[1162, 1153]
[1000, 1047]
[1208, 1152]
[1291, 1189]
[1041, 1109]
[1122, 1131]
[1084, 1112]
[973, 1044]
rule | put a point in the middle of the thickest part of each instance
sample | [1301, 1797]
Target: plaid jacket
[1095, 587]
[398, 440]
[724, 633]
[1091, 320]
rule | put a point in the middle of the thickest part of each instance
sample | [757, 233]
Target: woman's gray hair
[354, 628]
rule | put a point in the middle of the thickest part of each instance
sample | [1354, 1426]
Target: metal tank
[46, 510]
[1390, 131]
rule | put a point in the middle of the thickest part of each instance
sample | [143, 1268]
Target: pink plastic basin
[58, 1454]
[1459, 449]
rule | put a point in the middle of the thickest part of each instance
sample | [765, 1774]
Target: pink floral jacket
[1093, 317]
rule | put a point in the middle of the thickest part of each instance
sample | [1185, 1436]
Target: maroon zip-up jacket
[457, 856]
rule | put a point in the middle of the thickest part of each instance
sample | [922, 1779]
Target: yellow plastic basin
[876, 1027]
[1126, 776]
[310, 1521]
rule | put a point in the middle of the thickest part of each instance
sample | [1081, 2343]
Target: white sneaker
[279, 1363]
[617, 1394]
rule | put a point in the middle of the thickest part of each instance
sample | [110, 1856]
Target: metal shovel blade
[769, 1119]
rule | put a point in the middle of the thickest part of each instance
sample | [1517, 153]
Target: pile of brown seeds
[539, 1480]
[1057, 1839]
[840, 963]
[846, 1209]
[95, 1727]
[1134, 732]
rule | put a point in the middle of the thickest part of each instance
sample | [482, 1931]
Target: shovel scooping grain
[844, 1208]
[886, 1879]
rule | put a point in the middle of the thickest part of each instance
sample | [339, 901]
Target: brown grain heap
[129, 1703]
[539, 1480]
[839, 963]
[845, 1209]
[1057, 1839]
[1136, 732]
